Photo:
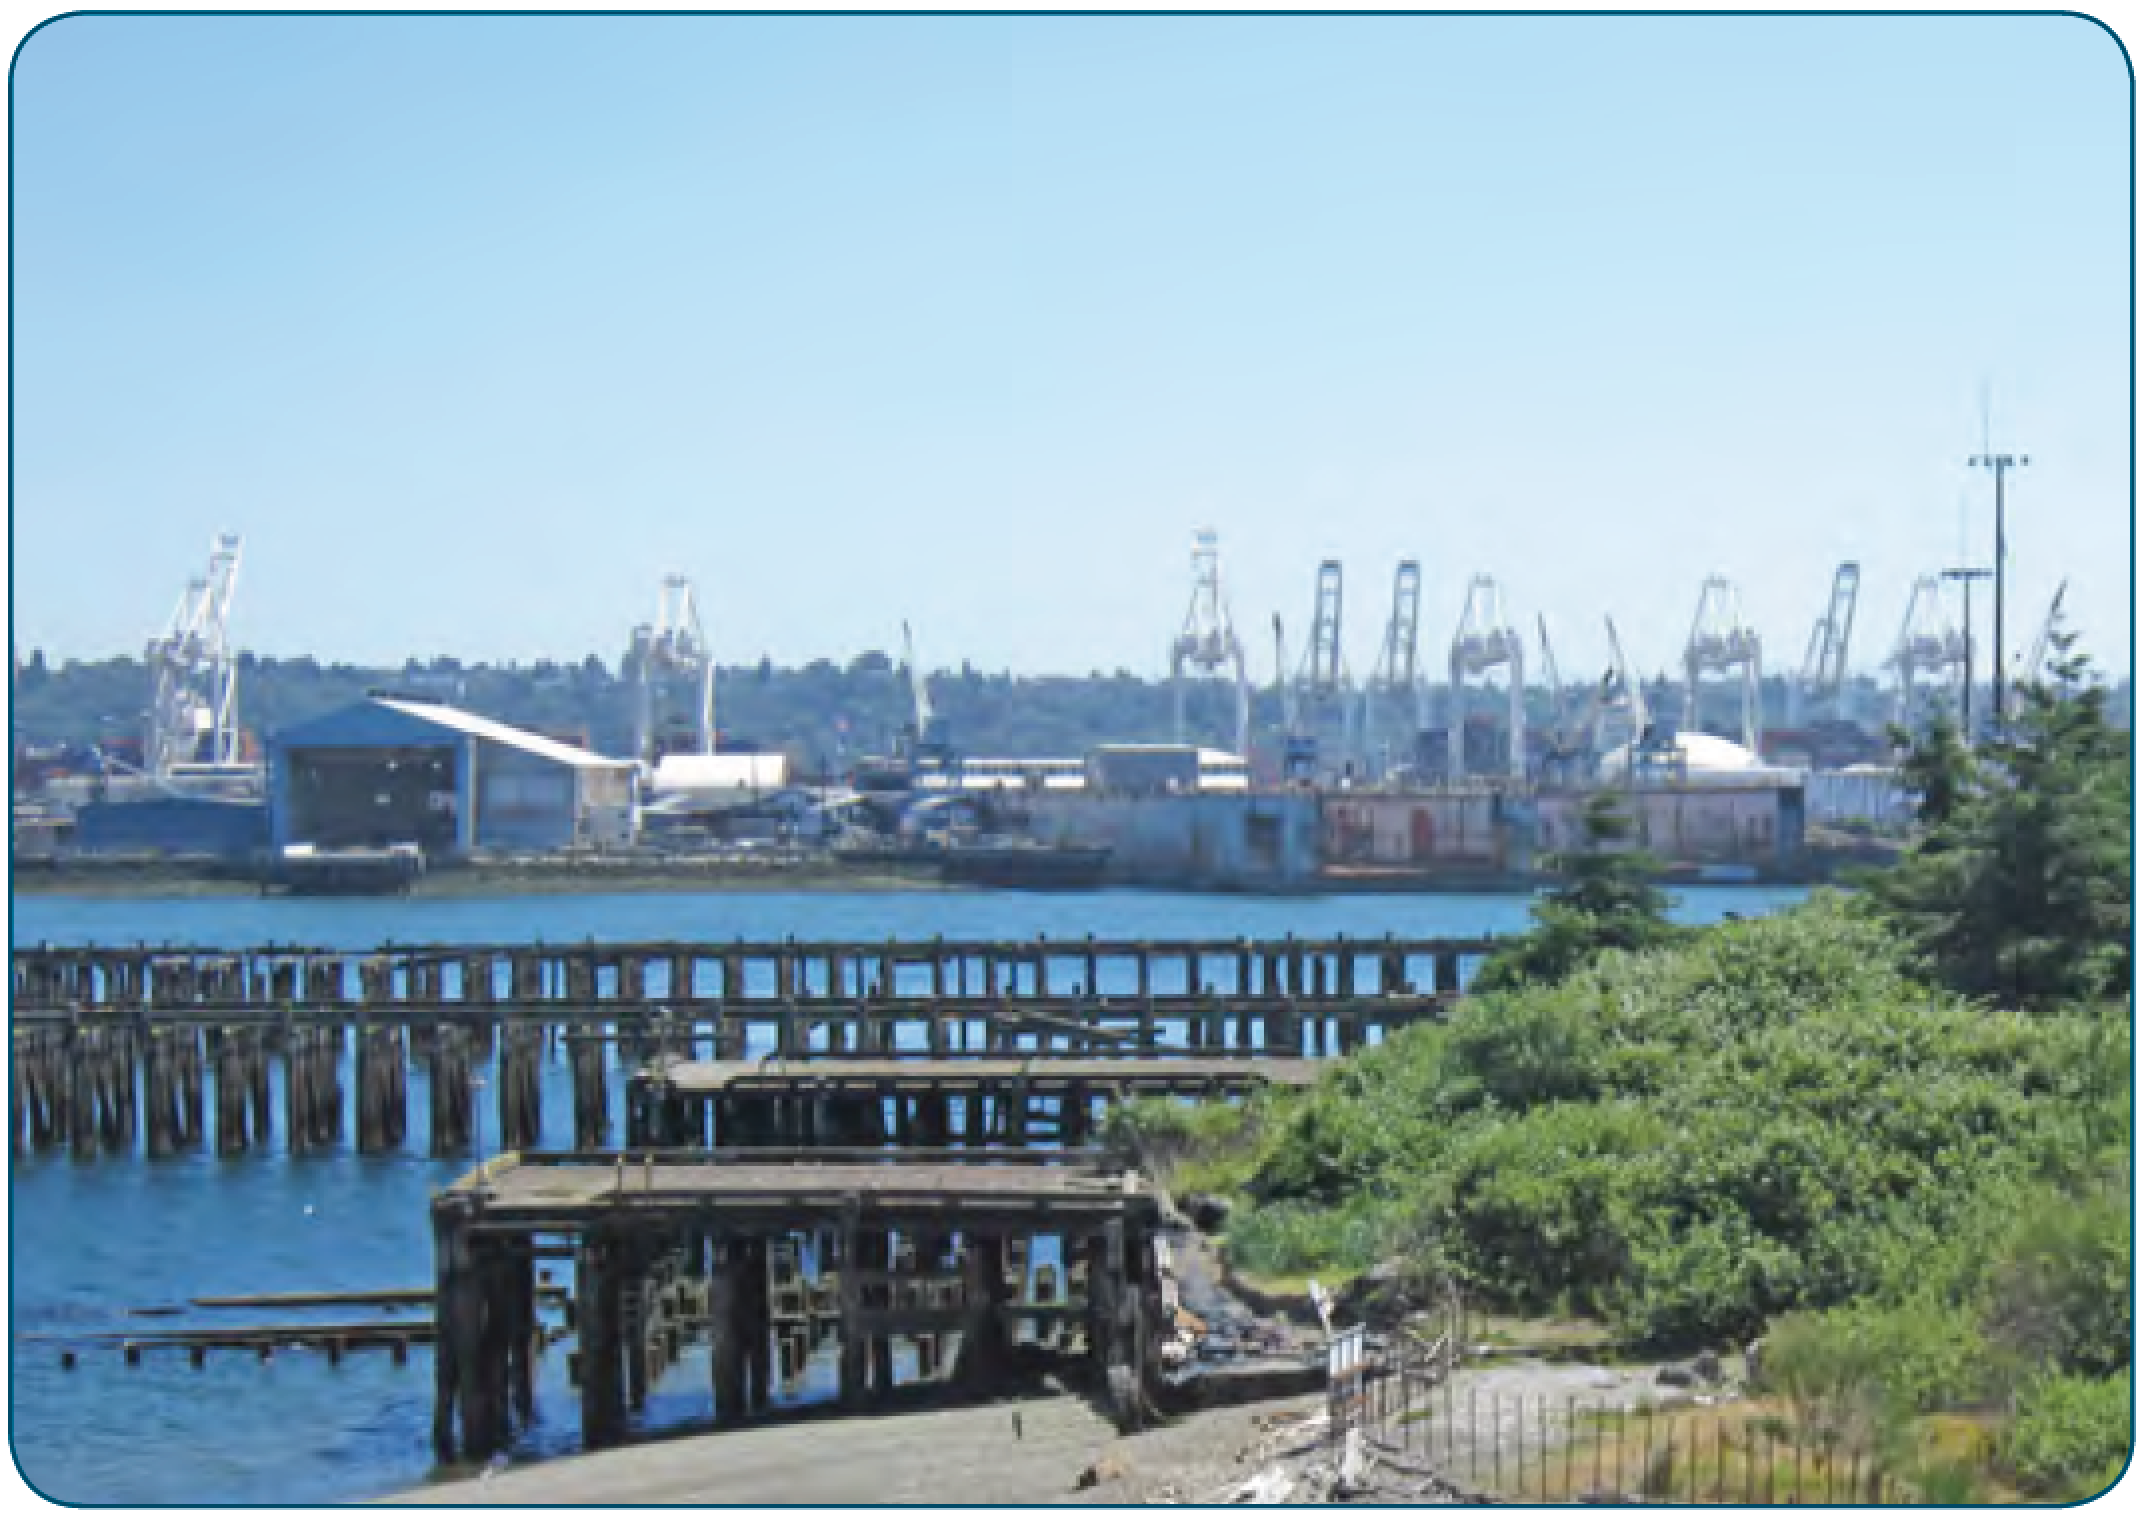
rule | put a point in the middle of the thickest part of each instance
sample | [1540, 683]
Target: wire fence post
[1472, 1432]
[1543, 1448]
[1651, 1459]
[1494, 1416]
[1569, 1449]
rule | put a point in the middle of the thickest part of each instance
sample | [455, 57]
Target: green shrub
[2071, 1437]
[1285, 1239]
[2058, 1296]
[1897, 1361]
[1204, 1147]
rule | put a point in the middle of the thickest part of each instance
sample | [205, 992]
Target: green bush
[2058, 1296]
[2071, 1437]
[1692, 1139]
[1201, 1147]
[1896, 1361]
[1288, 1240]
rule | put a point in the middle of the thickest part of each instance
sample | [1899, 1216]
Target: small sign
[1319, 1296]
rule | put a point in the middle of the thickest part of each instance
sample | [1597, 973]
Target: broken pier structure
[683, 1248]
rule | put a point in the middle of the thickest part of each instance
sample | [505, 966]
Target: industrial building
[396, 770]
[1229, 841]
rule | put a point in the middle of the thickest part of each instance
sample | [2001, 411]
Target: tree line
[826, 713]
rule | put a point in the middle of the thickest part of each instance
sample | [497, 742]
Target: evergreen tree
[1606, 902]
[2020, 887]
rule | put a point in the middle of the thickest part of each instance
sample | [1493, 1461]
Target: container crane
[1207, 642]
[2033, 663]
[928, 737]
[1484, 641]
[1927, 644]
[1721, 640]
[1324, 685]
[1397, 669]
[193, 731]
[1820, 687]
[664, 657]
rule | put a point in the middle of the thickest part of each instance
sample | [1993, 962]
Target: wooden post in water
[597, 1288]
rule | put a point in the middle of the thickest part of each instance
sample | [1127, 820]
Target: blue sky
[476, 327]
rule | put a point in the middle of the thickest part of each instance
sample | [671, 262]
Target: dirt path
[1023, 1452]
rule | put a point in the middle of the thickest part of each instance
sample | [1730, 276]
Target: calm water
[89, 1241]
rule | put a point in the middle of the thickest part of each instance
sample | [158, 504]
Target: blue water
[90, 1240]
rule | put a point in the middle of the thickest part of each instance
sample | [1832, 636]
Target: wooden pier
[911, 1181]
[160, 1050]
[934, 1246]
[787, 982]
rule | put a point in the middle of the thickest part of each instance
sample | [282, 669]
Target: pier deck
[923, 1101]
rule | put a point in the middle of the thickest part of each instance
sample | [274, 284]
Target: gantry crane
[1484, 641]
[2032, 665]
[193, 731]
[1395, 683]
[1618, 700]
[666, 658]
[927, 738]
[1207, 642]
[1820, 687]
[1721, 640]
[1323, 687]
[1927, 644]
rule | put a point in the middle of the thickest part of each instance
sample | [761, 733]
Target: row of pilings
[167, 1089]
[739, 974]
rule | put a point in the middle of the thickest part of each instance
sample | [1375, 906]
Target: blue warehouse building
[396, 770]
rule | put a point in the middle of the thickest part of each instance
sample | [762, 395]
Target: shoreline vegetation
[1880, 1142]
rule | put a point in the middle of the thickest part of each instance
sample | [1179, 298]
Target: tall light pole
[2001, 465]
[1965, 575]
